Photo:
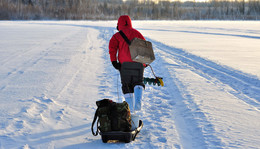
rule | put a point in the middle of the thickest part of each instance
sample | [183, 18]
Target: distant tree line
[137, 9]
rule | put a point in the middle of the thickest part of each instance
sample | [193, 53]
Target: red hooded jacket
[117, 42]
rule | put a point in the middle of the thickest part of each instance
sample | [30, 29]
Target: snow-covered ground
[52, 72]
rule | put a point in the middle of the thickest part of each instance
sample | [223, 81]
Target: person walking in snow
[131, 72]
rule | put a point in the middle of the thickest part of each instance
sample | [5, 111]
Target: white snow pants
[134, 100]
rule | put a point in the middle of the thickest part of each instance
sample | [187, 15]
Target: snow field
[52, 72]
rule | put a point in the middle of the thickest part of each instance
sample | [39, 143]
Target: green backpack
[111, 116]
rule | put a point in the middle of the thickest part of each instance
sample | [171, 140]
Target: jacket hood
[124, 22]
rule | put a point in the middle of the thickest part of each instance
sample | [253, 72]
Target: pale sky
[183, 0]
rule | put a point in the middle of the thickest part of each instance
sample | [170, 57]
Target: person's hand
[116, 65]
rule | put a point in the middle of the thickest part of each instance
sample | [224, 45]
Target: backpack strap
[125, 38]
[94, 120]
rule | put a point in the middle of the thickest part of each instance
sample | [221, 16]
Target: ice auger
[154, 81]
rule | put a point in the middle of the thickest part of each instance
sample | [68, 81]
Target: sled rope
[152, 71]
[117, 88]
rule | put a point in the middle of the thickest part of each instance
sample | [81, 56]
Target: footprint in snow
[162, 139]
[19, 124]
[60, 114]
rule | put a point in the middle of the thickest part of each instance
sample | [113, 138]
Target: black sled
[126, 137]
[114, 122]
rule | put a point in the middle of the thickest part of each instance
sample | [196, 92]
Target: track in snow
[246, 87]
